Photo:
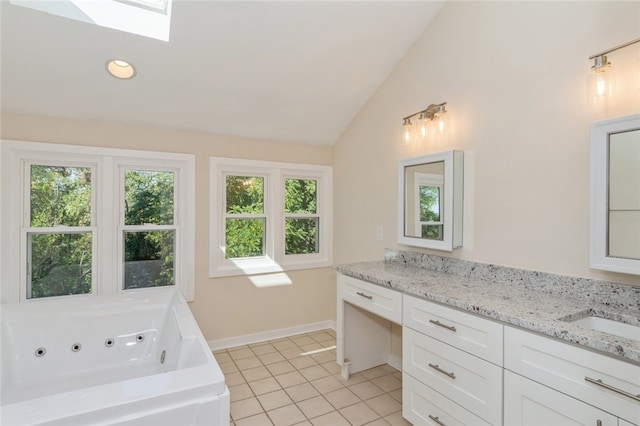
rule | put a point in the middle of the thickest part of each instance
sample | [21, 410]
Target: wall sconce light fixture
[425, 123]
[602, 76]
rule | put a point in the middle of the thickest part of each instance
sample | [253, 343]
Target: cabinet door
[527, 403]
[469, 381]
[423, 406]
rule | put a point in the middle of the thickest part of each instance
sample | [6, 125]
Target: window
[429, 191]
[268, 217]
[95, 220]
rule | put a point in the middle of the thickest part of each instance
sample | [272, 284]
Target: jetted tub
[133, 359]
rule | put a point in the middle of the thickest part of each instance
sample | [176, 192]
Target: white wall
[514, 76]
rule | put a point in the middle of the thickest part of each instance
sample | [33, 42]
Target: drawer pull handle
[438, 323]
[440, 370]
[366, 296]
[437, 420]
[599, 423]
[600, 383]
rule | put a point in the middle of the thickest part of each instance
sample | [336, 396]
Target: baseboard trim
[395, 361]
[247, 339]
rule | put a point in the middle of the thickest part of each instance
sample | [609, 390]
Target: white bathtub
[134, 359]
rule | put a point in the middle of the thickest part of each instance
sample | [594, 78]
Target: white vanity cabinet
[452, 366]
[527, 403]
[583, 386]
[365, 312]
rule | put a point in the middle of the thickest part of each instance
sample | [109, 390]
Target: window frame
[108, 165]
[275, 174]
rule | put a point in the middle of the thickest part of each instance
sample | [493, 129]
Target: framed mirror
[615, 195]
[430, 190]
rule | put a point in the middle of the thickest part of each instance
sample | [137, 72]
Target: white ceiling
[291, 71]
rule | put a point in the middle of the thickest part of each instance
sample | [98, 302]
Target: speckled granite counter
[534, 301]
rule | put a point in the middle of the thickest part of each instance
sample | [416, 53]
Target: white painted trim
[274, 173]
[599, 183]
[247, 339]
[105, 162]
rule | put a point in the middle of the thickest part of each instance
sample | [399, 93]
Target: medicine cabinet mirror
[430, 191]
[615, 195]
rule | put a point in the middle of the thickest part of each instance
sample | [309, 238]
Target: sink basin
[605, 325]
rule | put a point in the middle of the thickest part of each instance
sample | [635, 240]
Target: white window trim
[108, 163]
[428, 179]
[275, 259]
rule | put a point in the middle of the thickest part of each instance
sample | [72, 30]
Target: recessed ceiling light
[121, 69]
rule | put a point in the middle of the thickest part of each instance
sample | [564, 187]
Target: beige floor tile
[264, 386]
[240, 392]
[353, 379]
[305, 423]
[314, 372]
[273, 400]
[245, 408]
[330, 419]
[342, 398]
[222, 357]
[396, 419]
[247, 363]
[366, 390]
[331, 333]
[312, 348]
[397, 395]
[359, 414]
[387, 383]
[228, 367]
[241, 353]
[253, 374]
[321, 336]
[332, 367]
[271, 358]
[315, 407]
[302, 340]
[232, 379]
[397, 375]
[286, 416]
[291, 353]
[374, 372]
[280, 368]
[283, 344]
[266, 348]
[324, 356]
[384, 405]
[379, 422]
[326, 384]
[303, 362]
[258, 420]
[293, 378]
[301, 392]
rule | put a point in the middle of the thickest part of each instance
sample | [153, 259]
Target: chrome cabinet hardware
[366, 296]
[600, 383]
[599, 423]
[440, 370]
[438, 323]
[437, 420]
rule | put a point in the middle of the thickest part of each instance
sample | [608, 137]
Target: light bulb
[407, 131]
[424, 125]
[440, 118]
[601, 80]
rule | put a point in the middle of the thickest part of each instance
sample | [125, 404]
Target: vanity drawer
[468, 332]
[465, 379]
[422, 405]
[381, 301]
[569, 369]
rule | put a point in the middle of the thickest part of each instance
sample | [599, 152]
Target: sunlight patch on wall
[149, 18]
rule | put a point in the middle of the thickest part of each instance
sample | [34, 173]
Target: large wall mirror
[430, 191]
[615, 195]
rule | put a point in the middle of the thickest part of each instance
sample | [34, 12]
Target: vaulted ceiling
[294, 71]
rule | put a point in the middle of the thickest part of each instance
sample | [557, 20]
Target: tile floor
[296, 381]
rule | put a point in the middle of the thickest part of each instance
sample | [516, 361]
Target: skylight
[149, 18]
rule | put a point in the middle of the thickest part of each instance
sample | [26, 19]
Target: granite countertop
[512, 303]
